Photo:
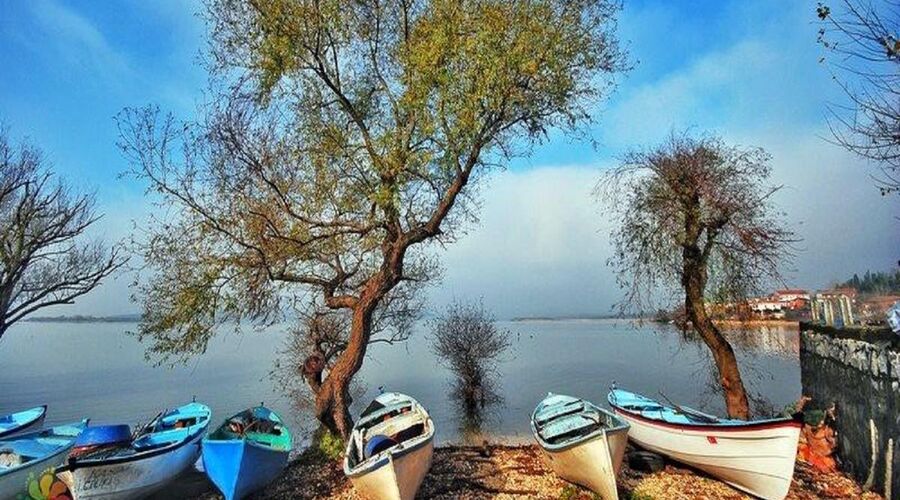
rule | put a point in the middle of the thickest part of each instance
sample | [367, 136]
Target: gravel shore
[518, 472]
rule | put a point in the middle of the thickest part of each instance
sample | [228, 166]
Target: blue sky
[745, 70]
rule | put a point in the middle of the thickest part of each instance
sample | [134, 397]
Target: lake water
[98, 371]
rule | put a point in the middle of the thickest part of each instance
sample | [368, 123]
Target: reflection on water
[757, 347]
[475, 416]
[582, 358]
[95, 370]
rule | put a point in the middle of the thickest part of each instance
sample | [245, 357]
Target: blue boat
[22, 421]
[246, 452]
[26, 456]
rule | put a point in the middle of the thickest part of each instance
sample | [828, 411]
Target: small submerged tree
[466, 340]
[341, 143]
[861, 39]
[696, 220]
[45, 257]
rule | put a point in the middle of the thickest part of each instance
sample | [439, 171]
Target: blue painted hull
[239, 467]
[22, 421]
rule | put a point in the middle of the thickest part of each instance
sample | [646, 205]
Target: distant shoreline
[758, 322]
[122, 318]
[519, 319]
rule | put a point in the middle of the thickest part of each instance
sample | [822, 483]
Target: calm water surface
[98, 371]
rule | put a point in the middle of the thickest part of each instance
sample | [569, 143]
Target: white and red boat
[753, 456]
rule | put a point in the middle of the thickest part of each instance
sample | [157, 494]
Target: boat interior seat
[377, 416]
[554, 412]
[34, 448]
[413, 431]
[570, 426]
[395, 425]
[159, 439]
[178, 421]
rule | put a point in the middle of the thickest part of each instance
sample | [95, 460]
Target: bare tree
[466, 340]
[696, 220]
[44, 258]
[341, 144]
[862, 43]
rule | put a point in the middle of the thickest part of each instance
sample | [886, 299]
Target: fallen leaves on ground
[519, 472]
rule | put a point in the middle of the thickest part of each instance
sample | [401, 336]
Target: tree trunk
[333, 407]
[333, 397]
[694, 281]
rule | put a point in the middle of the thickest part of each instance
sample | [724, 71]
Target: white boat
[163, 450]
[582, 443]
[753, 456]
[390, 449]
[24, 457]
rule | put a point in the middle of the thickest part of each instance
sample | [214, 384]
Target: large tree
[339, 145]
[862, 43]
[696, 221]
[45, 257]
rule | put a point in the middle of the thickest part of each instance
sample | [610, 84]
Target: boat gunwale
[243, 438]
[751, 425]
[28, 424]
[255, 444]
[74, 463]
[602, 431]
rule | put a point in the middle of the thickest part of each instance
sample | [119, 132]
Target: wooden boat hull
[238, 468]
[757, 459]
[583, 443]
[593, 464]
[397, 471]
[14, 483]
[399, 476]
[21, 422]
[132, 479]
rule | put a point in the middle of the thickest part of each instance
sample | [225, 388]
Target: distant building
[792, 303]
[793, 299]
[834, 307]
[767, 308]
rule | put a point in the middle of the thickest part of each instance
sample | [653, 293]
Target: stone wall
[858, 369]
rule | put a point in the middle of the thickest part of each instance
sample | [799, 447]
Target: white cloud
[78, 41]
[540, 248]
